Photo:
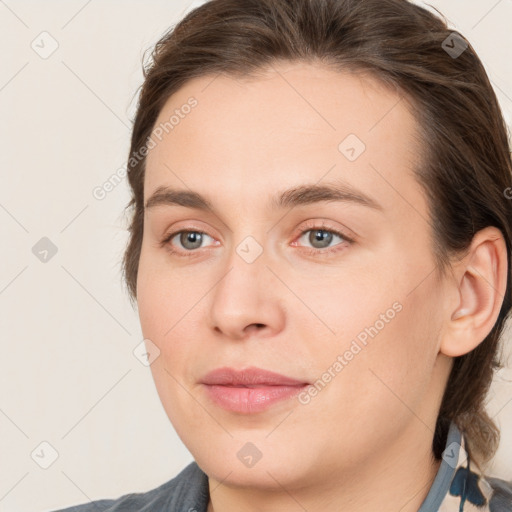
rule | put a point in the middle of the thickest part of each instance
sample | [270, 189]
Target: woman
[320, 256]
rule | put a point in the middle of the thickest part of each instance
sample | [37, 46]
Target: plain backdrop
[74, 397]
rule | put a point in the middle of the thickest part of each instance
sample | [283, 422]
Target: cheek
[168, 309]
[401, 357]
[388, 349]
[163, 307]
[160, 299]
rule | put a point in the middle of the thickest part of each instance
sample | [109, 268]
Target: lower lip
[250, 400]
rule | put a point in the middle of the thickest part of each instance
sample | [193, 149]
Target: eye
[189, 240]
[321, 238]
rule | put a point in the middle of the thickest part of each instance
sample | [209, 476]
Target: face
[331, 288]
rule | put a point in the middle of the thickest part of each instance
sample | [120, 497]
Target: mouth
[249, 391]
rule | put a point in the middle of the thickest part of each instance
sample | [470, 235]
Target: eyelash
[311, 251]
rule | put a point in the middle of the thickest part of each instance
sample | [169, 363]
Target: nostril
[253, 328]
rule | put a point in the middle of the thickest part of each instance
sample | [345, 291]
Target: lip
[250, 390]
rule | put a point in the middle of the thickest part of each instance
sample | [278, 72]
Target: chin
[268, 476]
[261, 463]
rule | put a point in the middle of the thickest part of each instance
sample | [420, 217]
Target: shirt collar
[452, 457]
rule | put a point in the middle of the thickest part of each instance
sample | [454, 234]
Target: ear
[479, 290]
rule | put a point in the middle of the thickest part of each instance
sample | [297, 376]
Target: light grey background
[68, 373]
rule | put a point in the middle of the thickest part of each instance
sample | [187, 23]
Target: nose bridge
[243, 296]
[246, 265]
[250, 236]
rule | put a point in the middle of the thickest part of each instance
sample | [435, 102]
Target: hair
[465, 167]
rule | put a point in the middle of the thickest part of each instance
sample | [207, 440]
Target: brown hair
[466, 166]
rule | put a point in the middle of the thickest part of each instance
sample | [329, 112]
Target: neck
[397, 477]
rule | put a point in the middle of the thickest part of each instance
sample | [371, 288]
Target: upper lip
[248, 377]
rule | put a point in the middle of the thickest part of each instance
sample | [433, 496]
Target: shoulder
[188, 490]
[500, 494]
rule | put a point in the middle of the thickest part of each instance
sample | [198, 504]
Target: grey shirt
[187, 492]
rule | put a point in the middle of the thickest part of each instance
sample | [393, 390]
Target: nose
[247, 301]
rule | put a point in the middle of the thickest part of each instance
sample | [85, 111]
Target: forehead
[294, 123]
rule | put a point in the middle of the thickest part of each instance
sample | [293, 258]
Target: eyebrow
[296, 196]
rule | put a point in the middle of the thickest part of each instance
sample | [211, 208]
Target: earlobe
[481, 279]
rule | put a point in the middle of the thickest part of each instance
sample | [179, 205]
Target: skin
[363, 442]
